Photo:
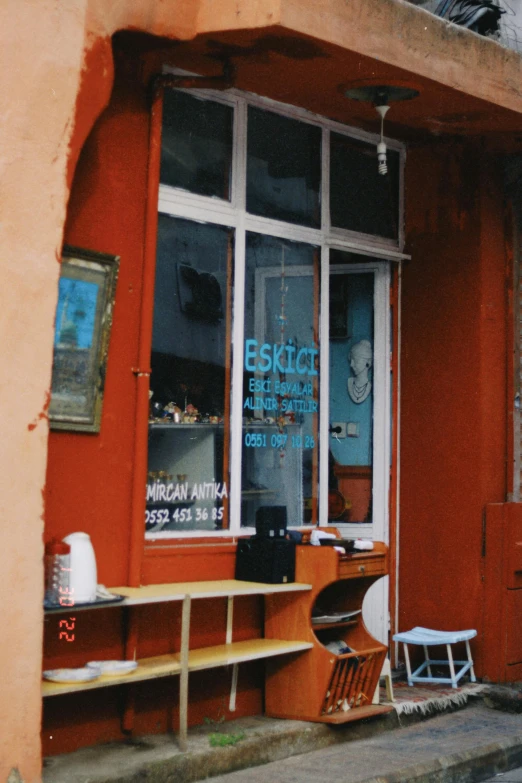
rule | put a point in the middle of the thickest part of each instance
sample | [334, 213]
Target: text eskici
[275, 358]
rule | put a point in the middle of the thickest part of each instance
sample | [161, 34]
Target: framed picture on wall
[86, 294]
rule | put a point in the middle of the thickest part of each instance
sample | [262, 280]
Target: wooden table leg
[230, 618]
[233, 688]
[130, 646]
[184, 676]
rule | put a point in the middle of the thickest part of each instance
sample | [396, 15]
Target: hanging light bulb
[380, 95]
[381, 146]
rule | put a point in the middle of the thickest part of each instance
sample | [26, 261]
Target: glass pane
[281, 380]
[187, 486]
[283, 168]
[351, 397]
[196, 144]
[361, 199]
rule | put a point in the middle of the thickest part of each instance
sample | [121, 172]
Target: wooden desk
[339, 687]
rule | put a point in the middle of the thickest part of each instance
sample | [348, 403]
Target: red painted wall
[503, 593]
[89, 477]
[453, 383]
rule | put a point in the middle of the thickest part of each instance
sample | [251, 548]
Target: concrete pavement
[515, 776]
[469, 745]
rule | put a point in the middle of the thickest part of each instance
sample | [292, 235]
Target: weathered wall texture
[40, 64]
[397, 33]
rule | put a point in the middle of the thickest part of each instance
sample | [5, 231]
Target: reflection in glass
[351, 393]
[281, 379]
[188, 483]
[283, 168]
[196, 147]
[361, 199]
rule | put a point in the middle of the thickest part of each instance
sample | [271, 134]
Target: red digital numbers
[64, 634]
[67, 600]
[64, 599]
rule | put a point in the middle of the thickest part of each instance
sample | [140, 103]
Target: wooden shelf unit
[167, 665]
[187, 660]
[319, 685]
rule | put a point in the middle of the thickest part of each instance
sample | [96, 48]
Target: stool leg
[407, 661]
[451, 666]
[427, 658]
[470, 659]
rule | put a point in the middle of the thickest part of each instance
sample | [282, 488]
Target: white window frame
[378, 528]
[179, 203]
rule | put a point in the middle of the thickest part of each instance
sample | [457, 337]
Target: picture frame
[86, 294]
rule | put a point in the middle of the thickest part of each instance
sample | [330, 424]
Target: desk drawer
[361, 565]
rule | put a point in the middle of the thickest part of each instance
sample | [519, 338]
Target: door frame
[378, 529]
[376, 609]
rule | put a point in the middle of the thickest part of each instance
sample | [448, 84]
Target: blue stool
[427, 637]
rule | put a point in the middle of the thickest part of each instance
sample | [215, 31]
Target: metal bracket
[223, 81]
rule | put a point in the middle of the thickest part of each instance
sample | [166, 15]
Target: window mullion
[324, 342]
[237, 375]
[239, 196]
[324, 428]
[325, 182]
[381, 413]
[240, 156]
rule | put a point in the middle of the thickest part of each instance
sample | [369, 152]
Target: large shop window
[280, 384]
[243, 240]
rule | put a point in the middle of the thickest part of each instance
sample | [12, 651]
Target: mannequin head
[361, 357]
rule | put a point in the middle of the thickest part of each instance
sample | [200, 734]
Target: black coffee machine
[268, 556]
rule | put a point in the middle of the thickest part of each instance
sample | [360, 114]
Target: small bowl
[113, 668]
[85, 674]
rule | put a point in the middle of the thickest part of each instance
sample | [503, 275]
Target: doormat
[429, 699]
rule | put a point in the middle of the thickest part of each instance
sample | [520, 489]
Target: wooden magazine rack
[319, 685]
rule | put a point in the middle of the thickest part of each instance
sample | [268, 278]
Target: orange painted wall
[453, 382]
[37, 96]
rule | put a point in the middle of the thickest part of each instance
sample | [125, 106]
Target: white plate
[71, 675]
[112, 667]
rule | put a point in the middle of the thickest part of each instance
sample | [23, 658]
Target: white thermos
[83, 575]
